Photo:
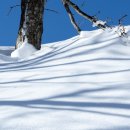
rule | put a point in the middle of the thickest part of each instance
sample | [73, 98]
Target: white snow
[25, 50]
[5, 53]
[95, 24]
[82, 83]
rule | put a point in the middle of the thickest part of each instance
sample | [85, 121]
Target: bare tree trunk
[71, 16]
[31, 23]
[86, 16]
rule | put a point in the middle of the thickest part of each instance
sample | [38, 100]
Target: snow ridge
[81, 83]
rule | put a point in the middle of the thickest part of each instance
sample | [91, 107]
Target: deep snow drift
[78, 84]
[24, 51]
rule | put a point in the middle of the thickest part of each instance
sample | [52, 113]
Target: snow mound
[82, 83]
[24, 51]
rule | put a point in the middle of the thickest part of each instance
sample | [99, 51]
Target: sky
[57, 26]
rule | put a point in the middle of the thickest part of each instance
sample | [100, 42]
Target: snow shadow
[57, 102]
[66, 102]
[70, 106]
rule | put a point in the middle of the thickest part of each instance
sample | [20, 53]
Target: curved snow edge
[24, 51]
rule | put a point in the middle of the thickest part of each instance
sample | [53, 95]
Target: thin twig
[122, 18]
[11, 8]
[51, 10]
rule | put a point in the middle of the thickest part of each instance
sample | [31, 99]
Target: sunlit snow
[25, 50]
[82, 83]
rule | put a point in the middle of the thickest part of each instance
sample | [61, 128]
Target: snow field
[78, 84]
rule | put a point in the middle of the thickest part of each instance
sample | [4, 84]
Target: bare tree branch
[86, 16]
[122, 18]
[71, 16]
[51, 10]
[11, 8]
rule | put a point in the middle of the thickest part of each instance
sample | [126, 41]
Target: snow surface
[82, 83]
[25, 50]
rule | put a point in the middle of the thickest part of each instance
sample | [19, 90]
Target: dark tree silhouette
[31, 23]
[68, 3]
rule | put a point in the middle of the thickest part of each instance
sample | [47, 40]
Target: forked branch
[86, 16]
[72, 19]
